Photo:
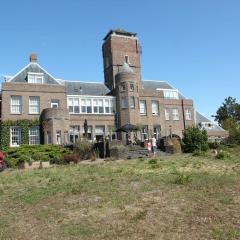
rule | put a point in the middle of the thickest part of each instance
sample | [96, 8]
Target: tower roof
[120, 31]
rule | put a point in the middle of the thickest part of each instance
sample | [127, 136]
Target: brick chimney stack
[33, 58]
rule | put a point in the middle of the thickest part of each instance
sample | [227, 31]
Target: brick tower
[120, 47]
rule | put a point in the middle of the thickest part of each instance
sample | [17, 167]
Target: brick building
[66, 109]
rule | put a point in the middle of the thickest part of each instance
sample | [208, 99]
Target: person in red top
[2, 162]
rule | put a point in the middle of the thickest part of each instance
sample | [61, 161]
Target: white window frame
[34, 135]
[35, 77]
[16, 108]
[143, 107]
[155, 107]
[98, 104]
[15, 132]
[167, 115]
[170, 94]
[34, 106]
[188, 114]
[175, 114]
[55, 103]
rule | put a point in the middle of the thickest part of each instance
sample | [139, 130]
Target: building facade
[63, 110]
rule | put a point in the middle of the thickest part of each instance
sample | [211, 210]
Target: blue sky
[192, 44]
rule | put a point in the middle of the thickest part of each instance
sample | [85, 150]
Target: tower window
[131, 87]
[132, 102]
[126, 58]
[124, 103]
[122, 87]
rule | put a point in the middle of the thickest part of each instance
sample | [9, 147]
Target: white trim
[92, 96]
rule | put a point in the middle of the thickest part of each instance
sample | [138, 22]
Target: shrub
[182, 178]
[52, 153]
[197, 153]
[83, 149]
[71, 158]
[57, 159]
[194, 139]
[223, 155]
[118, 150]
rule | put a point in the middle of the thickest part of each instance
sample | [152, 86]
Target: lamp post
[170, 131]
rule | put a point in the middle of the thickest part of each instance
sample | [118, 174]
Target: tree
[195, 139]
[229, 109]
[233, 128]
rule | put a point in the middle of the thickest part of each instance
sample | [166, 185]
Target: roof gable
[21, 76]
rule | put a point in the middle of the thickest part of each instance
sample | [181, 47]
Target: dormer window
[35, 78]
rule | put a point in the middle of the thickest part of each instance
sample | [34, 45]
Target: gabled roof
[21, 76]
[86, 88]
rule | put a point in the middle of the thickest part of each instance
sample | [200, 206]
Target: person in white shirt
[154, 145]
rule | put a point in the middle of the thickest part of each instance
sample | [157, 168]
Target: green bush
[194, 139]
[29, 153]
[83, 149]
[223, 155]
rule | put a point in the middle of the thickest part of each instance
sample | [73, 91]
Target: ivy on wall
[24, 124]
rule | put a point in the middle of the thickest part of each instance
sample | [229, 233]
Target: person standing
[154, 145]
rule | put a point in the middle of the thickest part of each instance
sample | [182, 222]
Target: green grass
[176, 197]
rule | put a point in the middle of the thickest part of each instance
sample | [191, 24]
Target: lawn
[173, 197]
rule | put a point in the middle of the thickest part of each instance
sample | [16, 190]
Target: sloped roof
[86, 88]
[200, 118]
[153, 85]
[215, 127]
[21, 76]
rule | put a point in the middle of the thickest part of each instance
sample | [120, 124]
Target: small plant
[198, 153]
[223, 155]
[152, 161]
[182, 178]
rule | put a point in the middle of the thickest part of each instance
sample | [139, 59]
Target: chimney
[33, 58]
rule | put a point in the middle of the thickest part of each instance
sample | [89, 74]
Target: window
[171, 94]
[155, 108]
[73, 105]
[143, 108]
[35, 78]
[97, 105]
[167, 114]
[34, 105]
[131, 87]
[132, 102]
[16, 104]
[126, 59]
[188, 114]
[54, 103]
[83, 106]
[15, 136]
[74, 133]
[49, 137]
[107, 106]
[99, 132]
[34, 136]
[175, 114]
[89, 105]
[124, 102]
[100, 104]
[123, 87]
[58, 137]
